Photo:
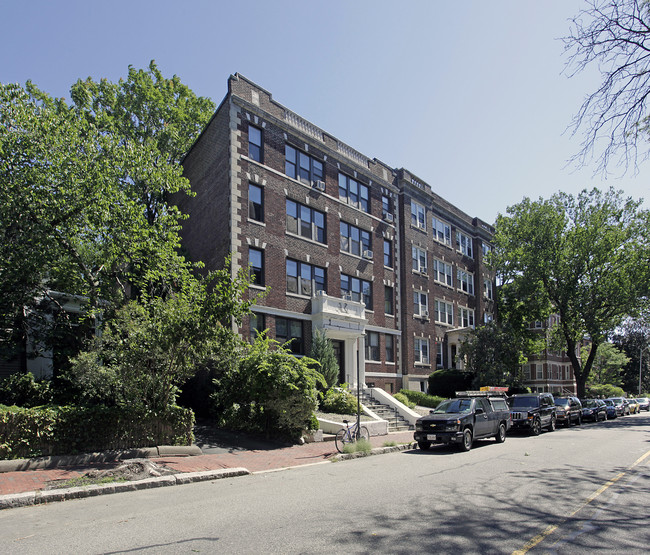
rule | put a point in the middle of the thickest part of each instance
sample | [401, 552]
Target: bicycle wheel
[363, 433]
[341, 439]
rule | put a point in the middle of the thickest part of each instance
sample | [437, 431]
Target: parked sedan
[594, 409]
[612, 411]
[644, 403]
[621, 408]
[634, 406]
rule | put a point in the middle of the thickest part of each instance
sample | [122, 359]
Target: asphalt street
[571, 491]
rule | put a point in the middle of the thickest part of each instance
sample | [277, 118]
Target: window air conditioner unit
[367, 254]
[388, 217]
[320, 185]
[425, 313]
[347, 297]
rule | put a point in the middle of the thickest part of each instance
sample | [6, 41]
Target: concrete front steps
[396, 422]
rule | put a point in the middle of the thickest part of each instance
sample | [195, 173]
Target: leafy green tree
[494, 353]
[608, 365]
[322, 351]
[633, 338]
[584, 258]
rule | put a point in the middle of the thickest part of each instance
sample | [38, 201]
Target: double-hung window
[290, 330]
[255, 143]
[303, 278]
[441, 231]
[358, 289]
[419, 257]
[487, 249]
[256, 262]
[444, 312]
[390, 347]
[385, 205]
[388, 253]
[418, 216]
[354, 240]
[466, 281]
[255, 202]
[421, 350]
[439, 357]
[257, 324]
[354, 193]
[442, 272]
[488, 291]
[466, 317]
[388, 299]
[305, 221]
[420, 304]
[372, 346]
[464, 244]
[301, 166]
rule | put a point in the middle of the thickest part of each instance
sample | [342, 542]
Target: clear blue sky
[469, 96]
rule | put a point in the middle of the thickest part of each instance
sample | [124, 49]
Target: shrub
[421, 399]
[404, 400]
[323, 352]
[605, 390]
[338, 401]
[23, 390]
[65, 430]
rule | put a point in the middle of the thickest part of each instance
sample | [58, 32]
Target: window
[539, 370]
[487, 289]
[420, 304]
[421, 350]
[388, 299]
[439, 358]
[354, 193]
[301, 276]
[390, 348]
[290, 330]
[466, 317]
[372, 346]
[256, 261]
[354, 240]
[487, 317]
[301, 166]
[254, 143]
[388, 253]
[444, 312]
[487, 249]
[358, 289]
[419, 260]
[442, 272]
[257, 324]
[418, 216]
[305, 221]
[255, 203]
[441, 231]
[385, 205]
[466, 281]
[464, 244]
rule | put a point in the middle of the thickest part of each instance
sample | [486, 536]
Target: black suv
[533, 411]
[568, 410]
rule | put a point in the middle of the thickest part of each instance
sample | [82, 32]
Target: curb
[56, 461]
[375, 451]
[50, 496]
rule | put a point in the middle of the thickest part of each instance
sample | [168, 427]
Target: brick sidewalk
[253, 460]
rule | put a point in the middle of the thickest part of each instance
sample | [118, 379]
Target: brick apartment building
[347, 244]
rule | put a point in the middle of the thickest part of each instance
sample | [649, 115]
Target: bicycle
[350, 434]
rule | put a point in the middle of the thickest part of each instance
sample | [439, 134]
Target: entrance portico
[344, 321]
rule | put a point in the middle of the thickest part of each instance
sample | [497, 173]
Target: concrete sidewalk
[21, 484]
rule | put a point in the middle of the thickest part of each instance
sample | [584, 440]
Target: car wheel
[536, 428]
[553, 424]
[424, 445]
[466, 444]
[501, 433]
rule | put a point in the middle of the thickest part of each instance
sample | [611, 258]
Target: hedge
[422, 399]
[68, 430]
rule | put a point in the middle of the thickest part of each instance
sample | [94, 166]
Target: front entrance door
[339, 353]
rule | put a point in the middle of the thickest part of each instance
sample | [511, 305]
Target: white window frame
[417, 256]
[488, 289]
[418, 215]
[464, 244]
[420, 346]
[466, 281]
[443, 307]
[420, 304]
[466, 317]
[445, 270]
[441, 231]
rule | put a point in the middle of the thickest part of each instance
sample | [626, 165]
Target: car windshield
[589, 403]
[559, 402]
[609, 402]
[523, 402]
[454, 406]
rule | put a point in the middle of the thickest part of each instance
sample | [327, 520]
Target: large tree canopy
[585, 258]
[614, 37]
[84, 208]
